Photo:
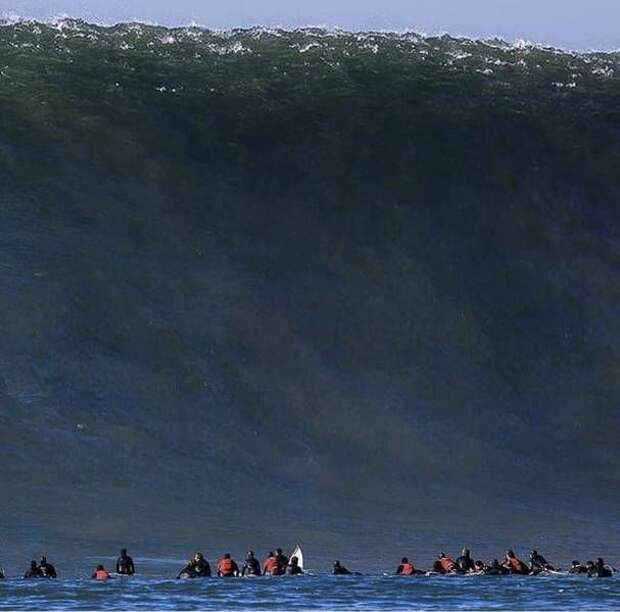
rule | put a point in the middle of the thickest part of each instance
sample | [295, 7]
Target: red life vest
[226, 567]
[101, 575]
[271, 566]
[407, 569]
[447, 564]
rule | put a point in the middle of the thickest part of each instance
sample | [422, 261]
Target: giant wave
[264, 283]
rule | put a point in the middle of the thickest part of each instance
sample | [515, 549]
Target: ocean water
[317, 592]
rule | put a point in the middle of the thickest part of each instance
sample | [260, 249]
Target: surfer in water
[340, 570]
[465, 563]
[271, 567]
[124, 564]
[47, 569]
[576, 567]
[100, 574]
[33, 571]
[282, 560]
[599, 569]
[251, 566]
[226, 567]
[495, 568]
[513, 564]
[444, 565]
[406, 568]
[538, 563]
[197, 567]
[293, 569]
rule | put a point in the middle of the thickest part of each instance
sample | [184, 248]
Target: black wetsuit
[293, 570]
[251, 567]
[33, 572]
[578, 569]
[196, 569]
[282, 563]
[340, 570]
[600, 571]
[539, 564]
[1, 574]
[465, 564]
[495, 569]
[187, 572]
[125, 566]
[47, 570]
[202, 569]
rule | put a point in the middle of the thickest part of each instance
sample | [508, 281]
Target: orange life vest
[407, 569]
[271, 566]
[447, 564]
[226, 567]
[101, 575]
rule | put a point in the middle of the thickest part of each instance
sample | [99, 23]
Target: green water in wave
[374, 274]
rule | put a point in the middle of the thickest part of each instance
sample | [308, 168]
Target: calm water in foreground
[320, 592]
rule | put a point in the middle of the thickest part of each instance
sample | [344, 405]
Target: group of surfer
[278, 564]
[43, 569]
[511, 564]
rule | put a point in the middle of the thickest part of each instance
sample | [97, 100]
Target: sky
[577, 24]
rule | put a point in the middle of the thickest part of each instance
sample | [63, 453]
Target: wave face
[263, 285]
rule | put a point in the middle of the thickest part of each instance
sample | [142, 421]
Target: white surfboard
[300, 556]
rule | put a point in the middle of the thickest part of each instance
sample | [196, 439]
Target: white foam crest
[308, 47]
[9, 18]
[603, 71]
[64, 23]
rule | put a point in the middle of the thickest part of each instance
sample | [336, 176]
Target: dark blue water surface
[319, 591]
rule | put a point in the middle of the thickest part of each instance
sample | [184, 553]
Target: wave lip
[194, 30]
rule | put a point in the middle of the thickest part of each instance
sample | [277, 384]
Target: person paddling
[599, 570]
[251, 566]
[282, 560]
[405, 568]
[33, 571]
[465, 563]
[513, 564]
[576, 567]
[100, 574]
[226, 567]
[271, 567]
[340, 570]
[197, 567]
[293, 568]
[200, 566]
[495, 568]
[444, 565]
[124, 564]
[47, 569]
[538, 563]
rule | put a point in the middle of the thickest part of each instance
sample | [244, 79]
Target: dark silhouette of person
[33, 571]
[251, 566]
[124, 564]
[47, 569]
